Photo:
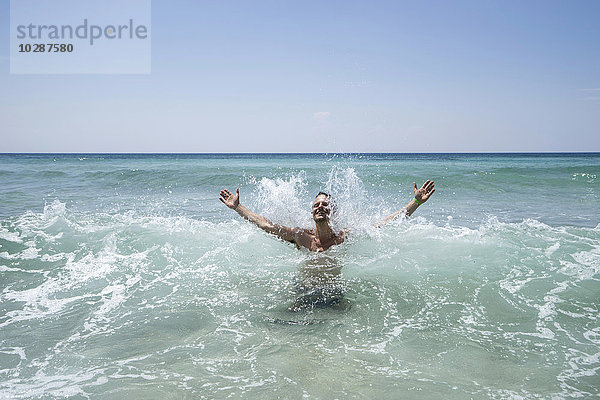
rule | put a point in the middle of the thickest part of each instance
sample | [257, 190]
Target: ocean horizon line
[309, 153]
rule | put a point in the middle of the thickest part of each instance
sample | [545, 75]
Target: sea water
[124, 277]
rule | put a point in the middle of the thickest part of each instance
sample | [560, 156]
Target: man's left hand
[425, 192]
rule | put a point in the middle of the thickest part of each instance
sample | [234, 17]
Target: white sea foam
[142, 298]
[10, 236]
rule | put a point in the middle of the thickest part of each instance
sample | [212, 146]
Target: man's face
[321, 208]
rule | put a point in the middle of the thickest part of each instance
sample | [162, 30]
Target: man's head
[321, 208]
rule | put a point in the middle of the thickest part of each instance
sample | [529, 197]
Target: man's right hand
[229, 199]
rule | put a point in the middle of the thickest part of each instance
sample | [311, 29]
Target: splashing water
[282, 200]
[287, 200]
[156, 290]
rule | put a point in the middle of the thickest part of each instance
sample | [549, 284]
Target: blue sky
[328, 76]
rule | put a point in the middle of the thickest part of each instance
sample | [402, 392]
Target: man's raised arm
[421, 196]
[233, 201]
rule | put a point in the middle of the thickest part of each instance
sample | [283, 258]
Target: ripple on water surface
[130, 295]
[120, 304]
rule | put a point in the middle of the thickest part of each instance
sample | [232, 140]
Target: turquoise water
[123, 276]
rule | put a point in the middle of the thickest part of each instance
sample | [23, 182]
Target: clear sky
[328, 76]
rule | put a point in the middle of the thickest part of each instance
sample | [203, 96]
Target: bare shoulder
[304, 237]
[286, 233]
[303, 232]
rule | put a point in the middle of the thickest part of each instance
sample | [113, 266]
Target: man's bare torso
[309, 239]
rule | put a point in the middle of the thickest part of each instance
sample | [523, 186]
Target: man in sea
[319, 286]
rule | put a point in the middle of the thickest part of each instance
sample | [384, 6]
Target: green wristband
[417, 201]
